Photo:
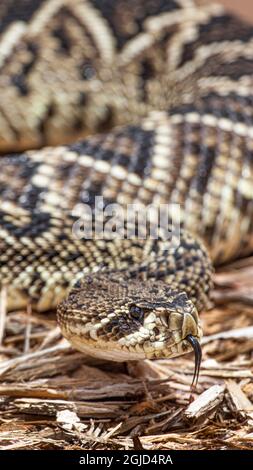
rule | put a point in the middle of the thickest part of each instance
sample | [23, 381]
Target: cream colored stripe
[224, 85]
[44, 14]
[136, 46]
[230, 50]
[239, 128]
[191, 13]
[187, 19]
[10, 39]
[97, 27]
[186, 3]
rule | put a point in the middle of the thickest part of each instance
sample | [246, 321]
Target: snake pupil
[136, 312]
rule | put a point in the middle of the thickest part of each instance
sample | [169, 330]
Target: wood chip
[69, 421]
[205, 403]
[241, 402]
[33, 406]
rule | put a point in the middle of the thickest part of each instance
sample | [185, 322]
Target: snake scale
[137, 102]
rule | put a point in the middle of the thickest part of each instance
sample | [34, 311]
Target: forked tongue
[198, 356]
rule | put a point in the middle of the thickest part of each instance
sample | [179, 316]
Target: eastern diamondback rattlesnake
[175, 78]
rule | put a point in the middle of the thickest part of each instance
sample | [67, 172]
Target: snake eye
[136, 312]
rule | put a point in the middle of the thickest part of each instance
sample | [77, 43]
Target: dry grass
[52, 397]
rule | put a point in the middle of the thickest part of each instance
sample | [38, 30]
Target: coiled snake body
[165, 86]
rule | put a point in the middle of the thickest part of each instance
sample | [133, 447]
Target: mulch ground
[52, 397]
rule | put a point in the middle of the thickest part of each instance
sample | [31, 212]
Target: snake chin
[129, 320]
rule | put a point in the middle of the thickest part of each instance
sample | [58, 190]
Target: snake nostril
[156, 331]
[77, 284]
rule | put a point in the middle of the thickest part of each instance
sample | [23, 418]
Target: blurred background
[241, 7]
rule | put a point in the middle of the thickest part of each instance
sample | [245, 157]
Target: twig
[237, 333]
[28, 328]
[3, 312]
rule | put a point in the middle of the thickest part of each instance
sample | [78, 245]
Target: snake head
[116, 319]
